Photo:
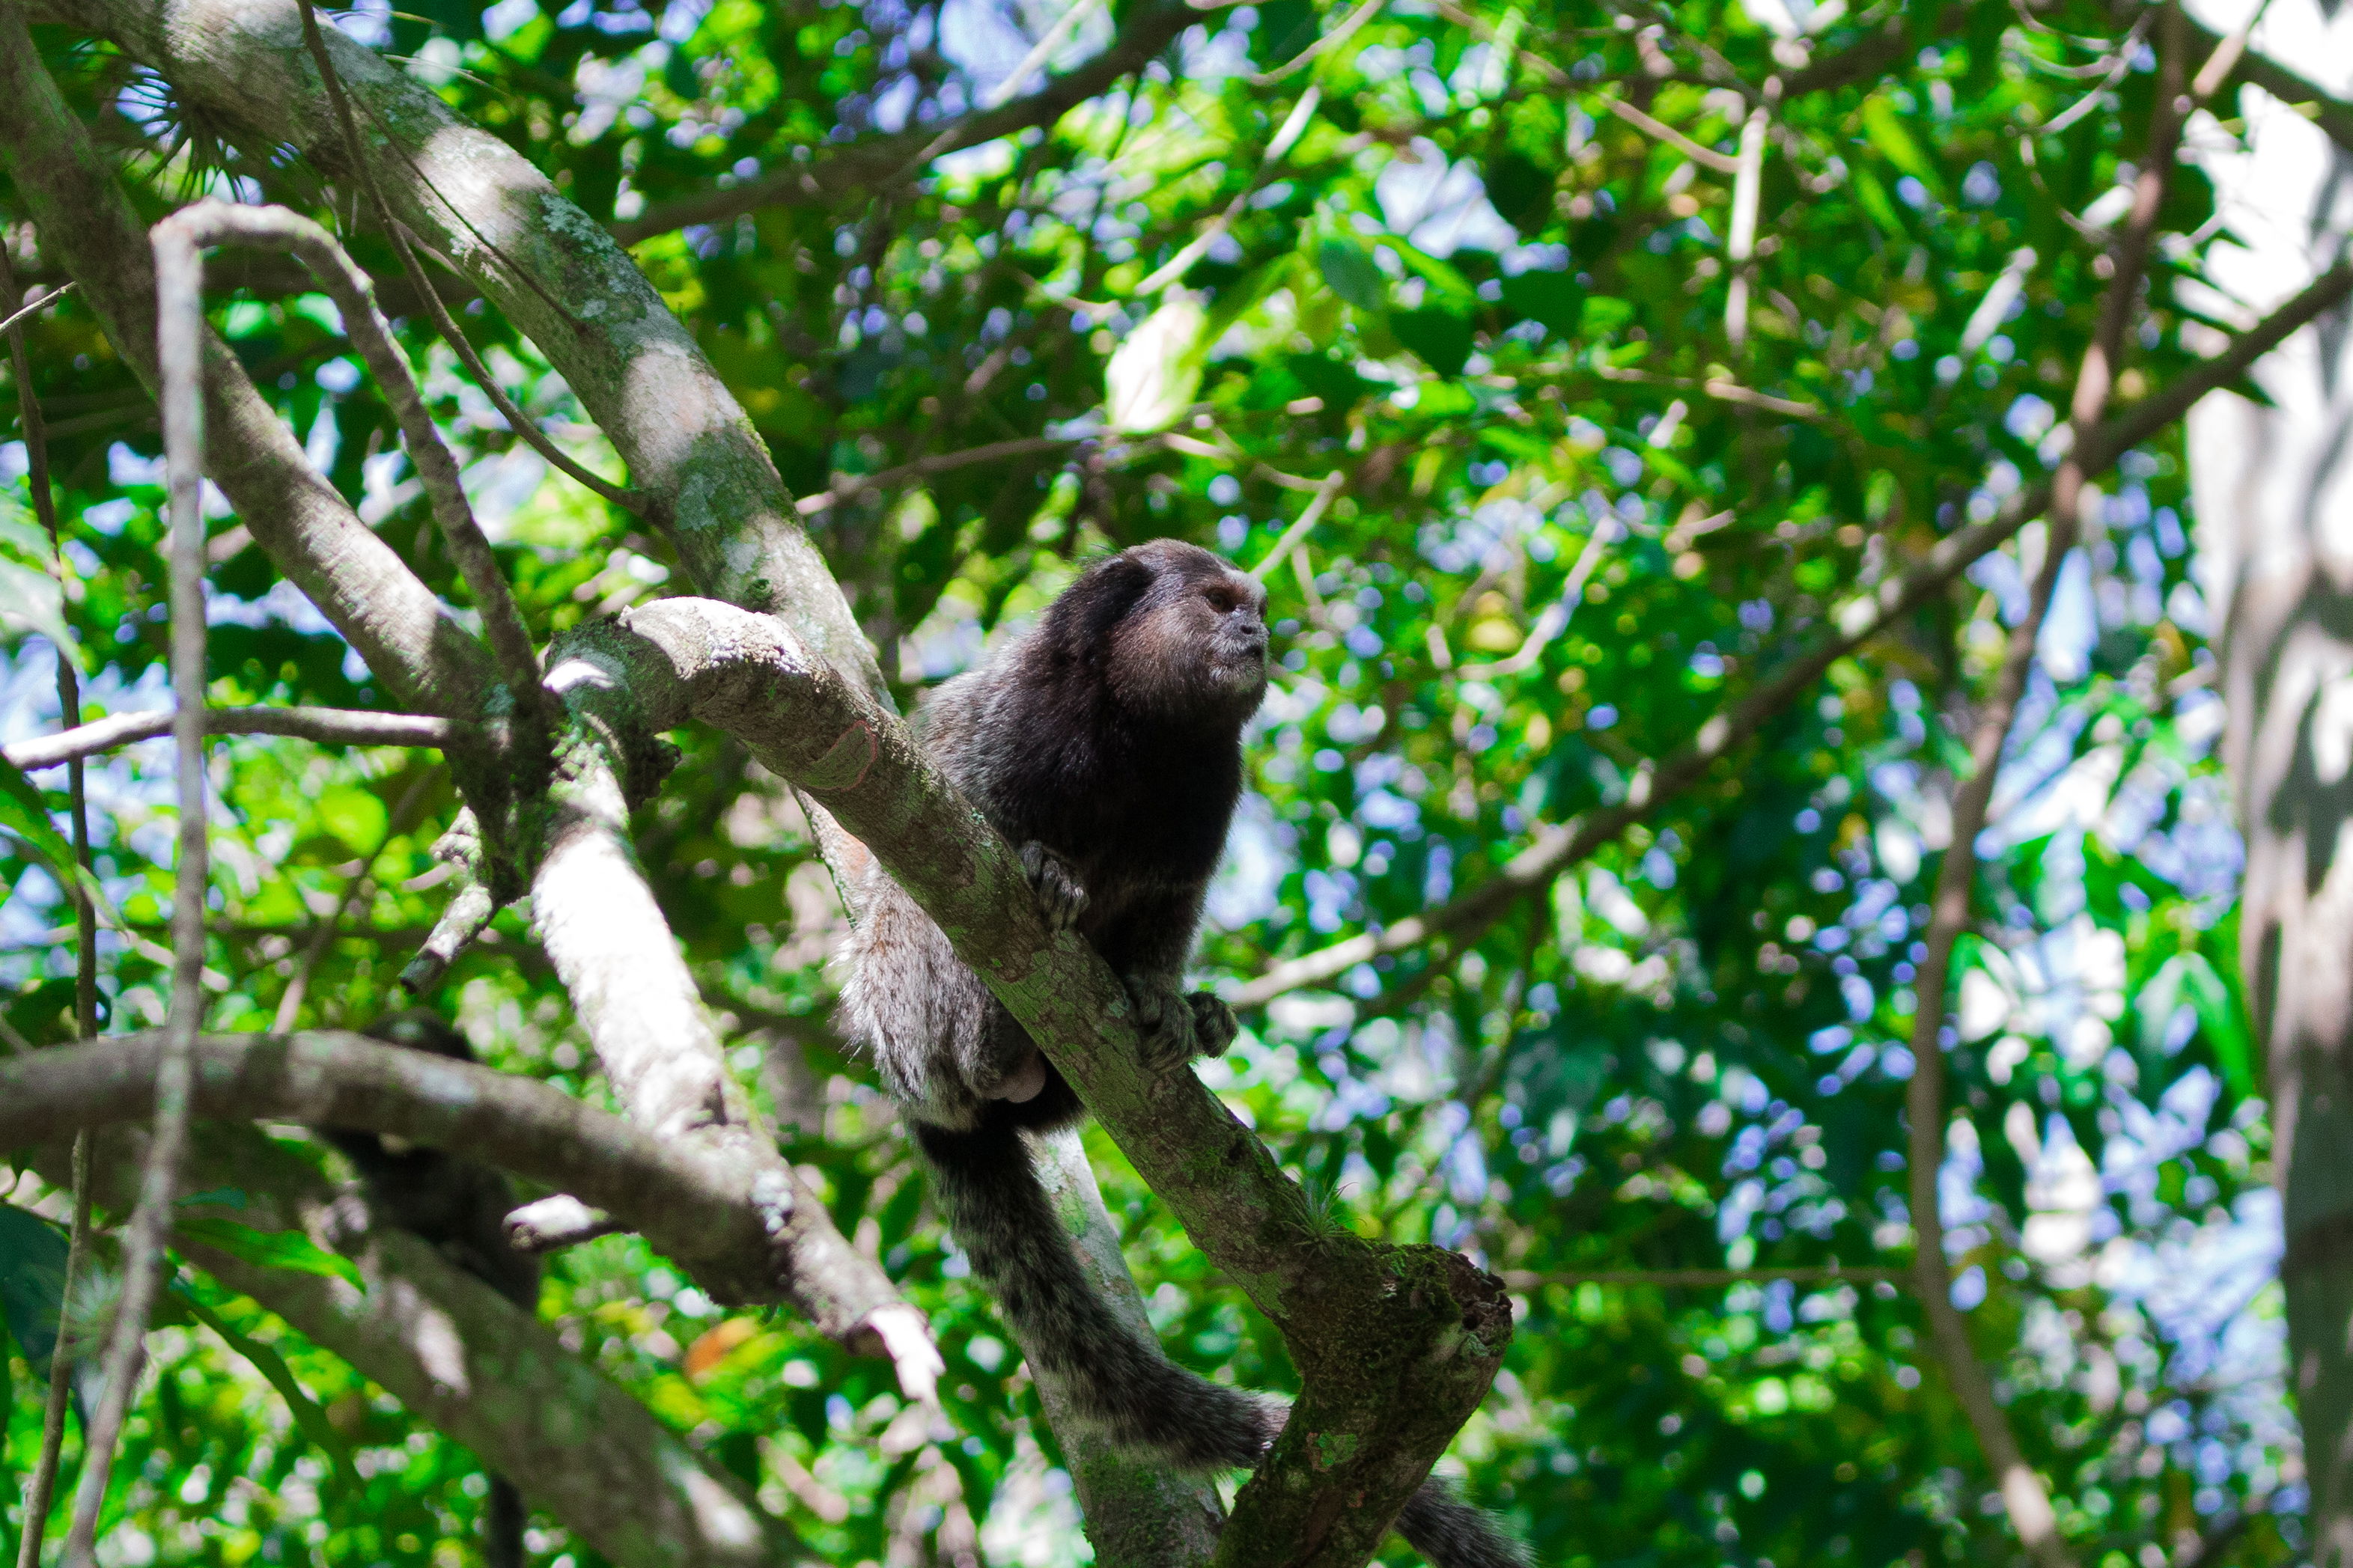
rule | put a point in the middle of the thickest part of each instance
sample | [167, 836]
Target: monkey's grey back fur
[1105, 745]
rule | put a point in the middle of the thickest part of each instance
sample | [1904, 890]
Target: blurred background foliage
[1414, 246]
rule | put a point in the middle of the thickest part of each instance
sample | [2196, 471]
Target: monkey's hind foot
[1214, 1024]
[1177, 1027]
[1060, 897]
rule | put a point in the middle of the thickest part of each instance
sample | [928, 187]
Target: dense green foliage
[1443, 269]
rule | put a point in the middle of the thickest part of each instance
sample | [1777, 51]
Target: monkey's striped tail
[1119, 1380]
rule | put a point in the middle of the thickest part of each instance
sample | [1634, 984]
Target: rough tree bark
[2275, 491]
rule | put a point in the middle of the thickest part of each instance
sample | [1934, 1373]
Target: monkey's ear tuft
[1102, 598]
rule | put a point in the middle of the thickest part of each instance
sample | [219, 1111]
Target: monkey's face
[1194, 642]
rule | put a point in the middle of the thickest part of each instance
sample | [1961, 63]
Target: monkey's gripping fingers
[1060, 897]
[1175, 1028]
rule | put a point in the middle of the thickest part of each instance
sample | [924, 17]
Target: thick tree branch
[463, 1359]
[407, 636]
[1559, 846]
[596, 918]
[1139, 1515]
[869, 168]
[689, 1204]
[1396, 1346]
[328, 726]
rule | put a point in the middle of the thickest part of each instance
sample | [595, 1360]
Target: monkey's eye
[1222, 598]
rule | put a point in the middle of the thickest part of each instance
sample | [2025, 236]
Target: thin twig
[1708, 157]
[407, 244]
[939, 463]
[1325, 45]
[1302, 529]
[41, 1487]
[403, 244]
[1555, 618]
[331, 82]
[1286, 136]
[20, 313]
[1705, 1278]
[180, 341]
[328, 726]
[1718, 387]
[1052, 38]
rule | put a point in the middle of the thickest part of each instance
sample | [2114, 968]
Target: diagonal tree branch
[869, 168]
[2023, 1493]
[1559, 846]
[211, 223]
[596, 918]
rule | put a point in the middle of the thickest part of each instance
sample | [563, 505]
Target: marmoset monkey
[1106, 744]
[459, 1206]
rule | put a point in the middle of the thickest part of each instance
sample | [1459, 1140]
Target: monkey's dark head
[1180, 634]
[422, 1029]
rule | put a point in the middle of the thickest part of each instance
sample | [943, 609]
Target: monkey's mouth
[1240, 666]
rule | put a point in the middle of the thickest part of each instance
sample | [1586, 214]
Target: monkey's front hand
[1060, 897]
[1177, 1027]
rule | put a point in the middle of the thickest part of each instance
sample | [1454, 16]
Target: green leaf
[1550, 299]
[1602, 316]
[2188, 977]
[26, 815]
[1156, 370]
[31, 601]
[354, 816]
[306, 1412]
[1884, 124]
[1440, 337]
[1876, 204]
[1351, 274]
[288, 1249]
[32, 1283]
[1520, 190]
[1444, 278]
